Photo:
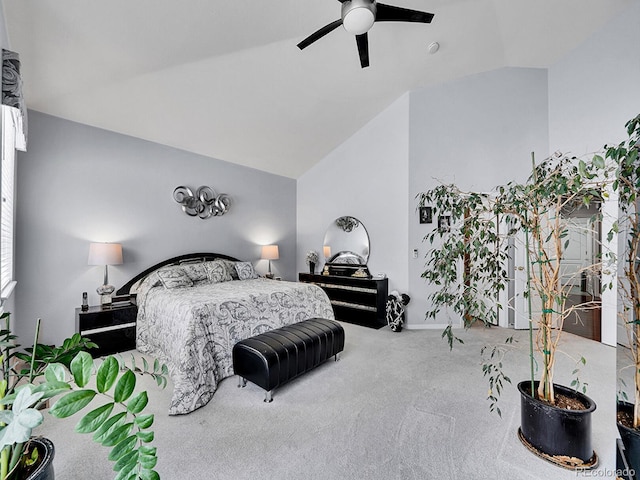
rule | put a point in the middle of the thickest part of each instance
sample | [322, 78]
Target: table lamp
[270, 252]
[105, 254]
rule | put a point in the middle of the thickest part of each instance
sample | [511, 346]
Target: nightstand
[112, 328]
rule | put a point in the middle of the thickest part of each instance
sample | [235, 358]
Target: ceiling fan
[358, 16]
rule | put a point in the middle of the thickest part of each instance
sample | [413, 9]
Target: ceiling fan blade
[390, 13]
[363, 49]
[319, 34]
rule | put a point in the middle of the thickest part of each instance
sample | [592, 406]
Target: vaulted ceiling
[225, 78]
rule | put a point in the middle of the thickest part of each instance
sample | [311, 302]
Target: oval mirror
[346, 242]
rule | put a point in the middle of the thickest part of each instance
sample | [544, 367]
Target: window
[7, 182]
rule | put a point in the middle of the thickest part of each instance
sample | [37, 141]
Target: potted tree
[61, 375]
[627, 160]
[467, 265]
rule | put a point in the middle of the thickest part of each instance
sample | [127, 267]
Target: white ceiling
[225, 78]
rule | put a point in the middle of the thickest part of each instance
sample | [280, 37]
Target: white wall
[4, 38]
[366, 177]
[595, 89]
[78, 184]
[477, 132]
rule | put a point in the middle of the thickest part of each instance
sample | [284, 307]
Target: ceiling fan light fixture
[358, 16]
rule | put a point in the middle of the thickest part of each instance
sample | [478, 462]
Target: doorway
[581, 253]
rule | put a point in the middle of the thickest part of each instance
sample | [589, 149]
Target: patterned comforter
[193, 329]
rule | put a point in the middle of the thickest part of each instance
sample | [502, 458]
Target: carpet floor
[395, 406]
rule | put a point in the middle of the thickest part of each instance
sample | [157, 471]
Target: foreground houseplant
[535, 213]
[61, 376]
[626, 157]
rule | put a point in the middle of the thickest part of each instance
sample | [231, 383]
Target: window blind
[7, 181]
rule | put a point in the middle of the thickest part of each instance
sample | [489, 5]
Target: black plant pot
[312, 267]
[44, 469]
[630, 439]
[557, 432]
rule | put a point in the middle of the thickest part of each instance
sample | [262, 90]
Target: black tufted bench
[274, 358]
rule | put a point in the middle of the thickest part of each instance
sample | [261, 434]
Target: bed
[194, 308]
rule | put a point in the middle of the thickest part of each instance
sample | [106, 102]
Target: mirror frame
[348, 224]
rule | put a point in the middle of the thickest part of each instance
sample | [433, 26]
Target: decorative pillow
[144, 284]
[217, 272]
[197, 272]
[231, 268]
[174, 277]
[245, 271]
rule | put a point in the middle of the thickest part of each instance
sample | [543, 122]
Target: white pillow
[245, 271]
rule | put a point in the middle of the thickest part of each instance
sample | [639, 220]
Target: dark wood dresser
[355, 300]
[112, 328]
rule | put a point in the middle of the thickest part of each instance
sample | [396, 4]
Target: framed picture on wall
[426, 215]
[444, 223]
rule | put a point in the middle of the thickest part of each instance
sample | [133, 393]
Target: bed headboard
[188, 258]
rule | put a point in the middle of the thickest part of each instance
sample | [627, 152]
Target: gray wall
[476, 132]
[78, 184]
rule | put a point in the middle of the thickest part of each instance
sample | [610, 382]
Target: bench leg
[267, 397]
[242, 382]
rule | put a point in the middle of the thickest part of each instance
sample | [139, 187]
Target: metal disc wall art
[204, 204]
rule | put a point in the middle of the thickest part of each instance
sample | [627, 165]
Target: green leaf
[149, 475]
[146, 437]
[107, 374]
[147, 450]
[71, 403]
[129, 474]
[123, 447]
[117, 434]
[51, 389]
[137, 403]
[126, 462]
[144, 421]
[92, 420]
[106, 428]
[125, 386]
[55, 372]
[81, 368]
[598, 161]
[148, 461]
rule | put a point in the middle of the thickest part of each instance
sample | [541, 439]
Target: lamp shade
[270, 252]
[326, 249]
[105, 254]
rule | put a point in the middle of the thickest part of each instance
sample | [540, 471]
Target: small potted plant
[312, 259]
[43, 374]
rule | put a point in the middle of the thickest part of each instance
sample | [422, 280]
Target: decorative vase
[630, 438]
[557, 432]
[312, 267]
[46, 451]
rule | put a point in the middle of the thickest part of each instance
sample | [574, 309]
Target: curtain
[12, 95]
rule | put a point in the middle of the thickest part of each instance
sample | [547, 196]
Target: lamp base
[105, 292]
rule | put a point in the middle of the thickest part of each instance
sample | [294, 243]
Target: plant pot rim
[625, 406]
[47, 457]
[586, 400]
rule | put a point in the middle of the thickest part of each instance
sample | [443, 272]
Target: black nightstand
[112, 328]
